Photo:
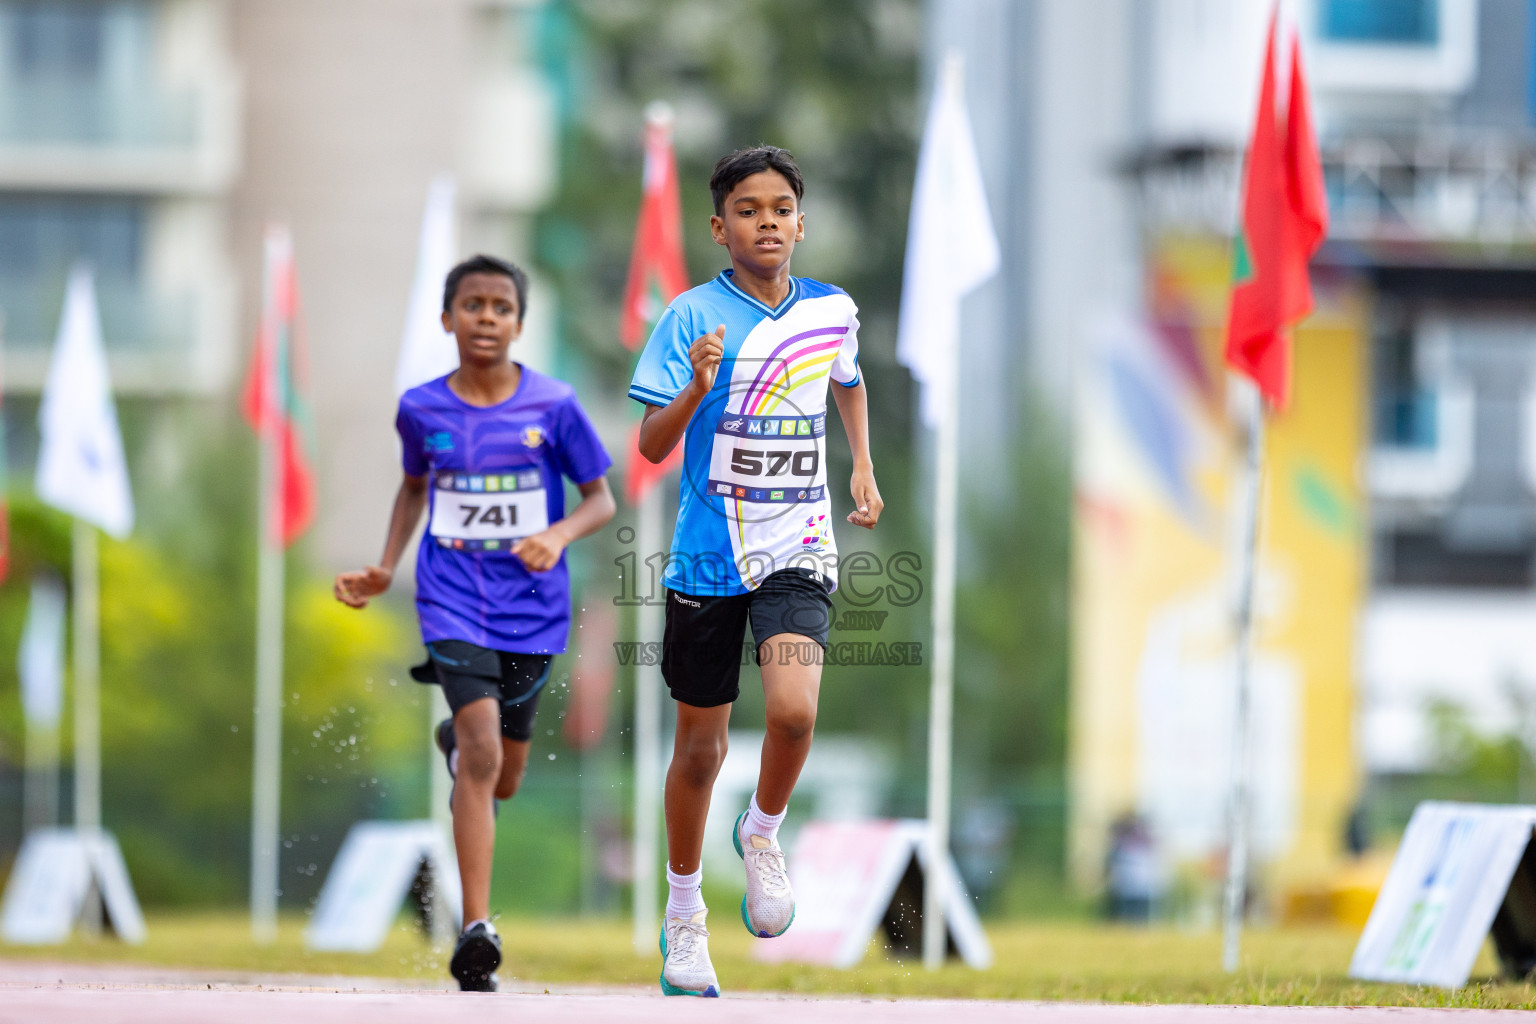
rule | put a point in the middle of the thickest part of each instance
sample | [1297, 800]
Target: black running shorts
[468, 672]
[702, 648]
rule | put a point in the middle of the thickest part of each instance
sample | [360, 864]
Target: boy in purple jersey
[485, 451]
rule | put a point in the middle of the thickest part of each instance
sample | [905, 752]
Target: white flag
[426, 350]
[80, 464]
[951, 247]
[40, 659]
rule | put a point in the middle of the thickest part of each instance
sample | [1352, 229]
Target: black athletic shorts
[468, 672]
[703, 646]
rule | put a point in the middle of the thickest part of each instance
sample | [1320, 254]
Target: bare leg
[514, 765]
[791, 666]
[477, 730]
[697, 753]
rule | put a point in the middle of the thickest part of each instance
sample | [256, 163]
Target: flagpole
[267, 753]
[649, 625]
[942, 691]
[1239, 811]
[87, 584]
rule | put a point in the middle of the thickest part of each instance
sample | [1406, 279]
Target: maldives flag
[657, 275]
[274, 402]
[1285, 216]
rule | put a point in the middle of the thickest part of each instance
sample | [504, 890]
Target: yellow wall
[1135, 553]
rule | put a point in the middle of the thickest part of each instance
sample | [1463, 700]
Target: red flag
[642, 474]
[1284, 220]
[657, 271]
[657, 275]
[274, 401]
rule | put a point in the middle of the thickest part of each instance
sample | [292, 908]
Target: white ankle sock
[684, 895]
[757, 823]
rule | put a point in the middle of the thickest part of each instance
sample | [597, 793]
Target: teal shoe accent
[765, 935]
[736, 836]
[712, 992]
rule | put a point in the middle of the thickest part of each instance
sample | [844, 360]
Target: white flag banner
[40, 659]
[426, 350]
[951, 247]
[80, 464]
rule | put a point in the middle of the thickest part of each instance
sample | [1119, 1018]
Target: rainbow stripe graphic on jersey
[782, 371]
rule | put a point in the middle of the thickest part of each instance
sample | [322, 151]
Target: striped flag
[657, 275]
[275, 398]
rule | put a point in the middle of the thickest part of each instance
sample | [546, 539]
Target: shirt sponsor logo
[477, 483]
[771, 427]
[442, 441]
[445, 481]
[493, 483]
[800, 496]
[722, 488]
[741, 492]
[755, 427]
[732, 425]
[533, 437]
[509, 482]
[776, 496]
[528, 480]
[804, 428]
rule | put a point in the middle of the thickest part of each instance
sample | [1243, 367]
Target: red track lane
[82, 994]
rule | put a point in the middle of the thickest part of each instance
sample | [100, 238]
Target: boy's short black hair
[744, 163]
[483, 264]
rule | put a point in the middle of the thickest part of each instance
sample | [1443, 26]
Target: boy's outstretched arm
[541, 551]
[853, 407]
[664, 425]
[355, 589]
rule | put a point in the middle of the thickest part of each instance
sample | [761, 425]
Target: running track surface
[87, 994]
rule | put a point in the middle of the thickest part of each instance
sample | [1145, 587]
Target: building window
[56, 40]
[1403, 412]
[41, 236]
[1393, 22]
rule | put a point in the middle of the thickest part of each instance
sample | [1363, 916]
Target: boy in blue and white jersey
[485, 453]
[738, 369]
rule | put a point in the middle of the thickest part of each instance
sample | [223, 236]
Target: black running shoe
[476, 958]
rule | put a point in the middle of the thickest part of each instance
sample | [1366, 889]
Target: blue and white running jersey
[754, 491]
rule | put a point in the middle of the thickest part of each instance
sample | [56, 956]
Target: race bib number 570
[767, 458]
[488, 511]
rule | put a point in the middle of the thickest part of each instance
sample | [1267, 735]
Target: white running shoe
[768, 908]
[685, 966]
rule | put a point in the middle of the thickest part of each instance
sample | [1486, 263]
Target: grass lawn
[1055, 960]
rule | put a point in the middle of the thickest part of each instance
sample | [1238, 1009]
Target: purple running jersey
[494, 475]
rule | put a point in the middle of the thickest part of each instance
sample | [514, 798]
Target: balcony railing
[1452, 187]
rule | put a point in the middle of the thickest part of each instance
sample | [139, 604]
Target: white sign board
[1447, 882]
[376, 869]
[846, 875]
[52, 880]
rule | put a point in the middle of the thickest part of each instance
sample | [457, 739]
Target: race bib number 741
[488, 510]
